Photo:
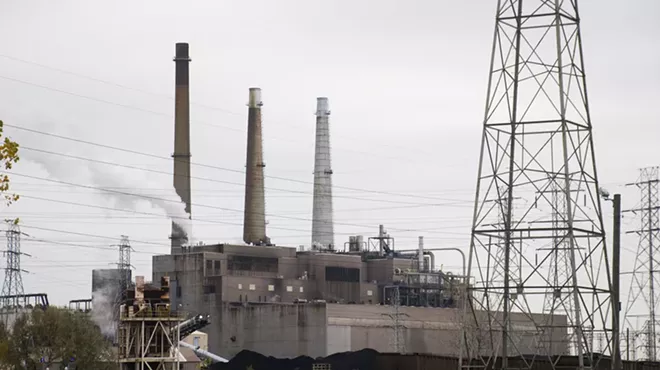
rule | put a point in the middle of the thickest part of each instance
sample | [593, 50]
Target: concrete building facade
[280, 302]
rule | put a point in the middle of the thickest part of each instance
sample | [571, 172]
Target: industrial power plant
[538, 286]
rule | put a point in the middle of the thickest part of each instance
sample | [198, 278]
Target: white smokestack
[322, 225]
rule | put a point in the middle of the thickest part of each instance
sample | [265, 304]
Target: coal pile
[365, 359]
[361, 360]
[256, 361]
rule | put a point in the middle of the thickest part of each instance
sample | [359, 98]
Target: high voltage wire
[193, 204]
[90, 235]
[132, 221]
[168, 96]
[227, 182]
[169, 115]
[155, 214]
[236, 191]
[197, 164]
[366, 209]
[109, 248]
[74, 216]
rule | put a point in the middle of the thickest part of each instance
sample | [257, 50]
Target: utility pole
[616, 277]
[616, 273]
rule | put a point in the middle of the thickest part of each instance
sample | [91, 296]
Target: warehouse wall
[423, 330]
[282, 330]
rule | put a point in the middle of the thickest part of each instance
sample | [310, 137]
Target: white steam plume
[129, 195]
[104, 310]
[124, 189]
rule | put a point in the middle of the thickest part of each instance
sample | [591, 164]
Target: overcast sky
[406, 81]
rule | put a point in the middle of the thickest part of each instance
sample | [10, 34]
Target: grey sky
[406, 83]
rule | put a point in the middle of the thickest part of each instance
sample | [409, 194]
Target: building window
[196, 341]
[253, 287]
[248, 263]
[217, 265]
[209, 264]
[347, 274]
[289, 288]
[178, 292]
[209, 289]
[301, 289]
[271, 288]
[240, 286]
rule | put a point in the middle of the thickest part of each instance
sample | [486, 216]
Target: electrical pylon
[124, 266]
[641, 314]
[398, 343]
[556, 301]
[537, 132]
[13, 285]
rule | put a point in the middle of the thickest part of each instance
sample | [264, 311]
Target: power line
[194, 204]
[219, 181]
[88, 235]
[126, 106]
[170, 97]
[242, 172]
[144, 213]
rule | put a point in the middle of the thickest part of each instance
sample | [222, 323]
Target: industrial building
[317, 303]
[282, 301]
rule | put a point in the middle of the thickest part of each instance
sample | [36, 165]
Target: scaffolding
[148, 331]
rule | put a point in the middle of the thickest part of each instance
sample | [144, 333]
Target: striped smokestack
[322, 227]
[181, 140]
[254, 221]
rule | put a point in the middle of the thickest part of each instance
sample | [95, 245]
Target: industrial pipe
[430, 250]
[202, 353]
[426, 253]
[420, 256]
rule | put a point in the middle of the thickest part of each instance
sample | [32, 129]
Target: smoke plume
[128, 195]
[125, 189]
[104, 312]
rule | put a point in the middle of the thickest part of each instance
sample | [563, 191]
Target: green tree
[8, 157]
[56, 336]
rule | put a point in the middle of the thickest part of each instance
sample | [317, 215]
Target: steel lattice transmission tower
[536, 137]
[13, 285]
[641, 314]
[397, 342]
[558, 301]
[124, 266]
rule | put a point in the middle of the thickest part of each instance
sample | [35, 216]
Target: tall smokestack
[322, 227]
[254, 221]
[181, 139]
